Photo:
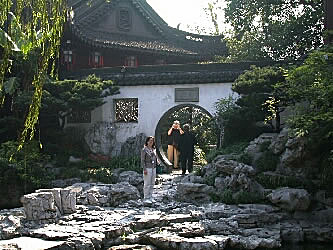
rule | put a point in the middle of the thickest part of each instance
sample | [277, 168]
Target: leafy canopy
[63, 97]
[270, 29]
[312, 85]
[27, 26]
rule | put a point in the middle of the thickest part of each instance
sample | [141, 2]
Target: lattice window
[96, 59]
[79, 116]
[131, 61]
[124, 20]
[126, 110]
[68, 56]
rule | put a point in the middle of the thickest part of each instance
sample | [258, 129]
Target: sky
[185, 12]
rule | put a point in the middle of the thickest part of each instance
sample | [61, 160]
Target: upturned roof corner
[162, 38]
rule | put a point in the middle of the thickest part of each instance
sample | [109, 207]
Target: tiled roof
[167, 74]
[168, 40]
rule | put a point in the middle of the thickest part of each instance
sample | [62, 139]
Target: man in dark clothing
[186, 148]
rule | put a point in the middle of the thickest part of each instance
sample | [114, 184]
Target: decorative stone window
[131, 61]
[79, 116]
[126, 110]
[124, 19]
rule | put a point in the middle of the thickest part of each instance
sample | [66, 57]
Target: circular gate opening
[185, 113]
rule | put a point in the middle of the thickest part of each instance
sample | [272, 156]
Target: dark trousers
[186, 161]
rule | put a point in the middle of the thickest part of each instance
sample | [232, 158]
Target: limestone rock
[101, 138]
[47, 204]
[131, 177]
[279, 143]
[133, 145]
[106, 194]
[122, 192]
[290, 199]
[194, 192]
[133, 247]
[254, 150]
[40, 206]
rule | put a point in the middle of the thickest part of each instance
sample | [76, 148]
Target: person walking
[148, 164]
[173, 140]
[186, 148]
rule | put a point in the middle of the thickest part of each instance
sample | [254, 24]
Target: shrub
[128, 163]
[236, 148]
[26, 165]
[197, 170]
[100, 175]
[226, 197]
[199, 156]
[213, 154]
[210, 180]
[73, 142]
[267, 162]
[241, 197]
[264, 146]
[246, 158]
[277, 181]
[244, 197]
[327, 174]
[98, 170]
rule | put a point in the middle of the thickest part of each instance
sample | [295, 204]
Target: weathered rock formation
[113, 216]
[101, 138]
[185, 214]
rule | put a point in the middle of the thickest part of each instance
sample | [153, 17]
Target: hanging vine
[27, 26]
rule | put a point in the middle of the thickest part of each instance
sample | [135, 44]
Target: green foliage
[128, 163]
[212, 155]
[241, 197]
[199, 156]
[226, 197]
[72, 142]
[236, 122]
[327, 174]
[244, 197]
[235, 148]
[272, 30]
[23, 33]
[99, 171]
[311, 86]
[232, 149]
[267, 162]
[210, 180]
[246, 158]
[63, 97]
[197, 170]
[261, 99]
[259, 80]
[277, 181]
[101, 174]
[264, 146]
[60, 99]
[25, 166]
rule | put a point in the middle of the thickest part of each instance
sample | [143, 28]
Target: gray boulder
[290, 199]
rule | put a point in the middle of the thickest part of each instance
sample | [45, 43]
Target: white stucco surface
[154, 101]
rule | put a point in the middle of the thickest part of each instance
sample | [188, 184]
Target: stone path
[165, 224]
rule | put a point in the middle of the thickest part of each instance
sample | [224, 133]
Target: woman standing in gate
[149, 163]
